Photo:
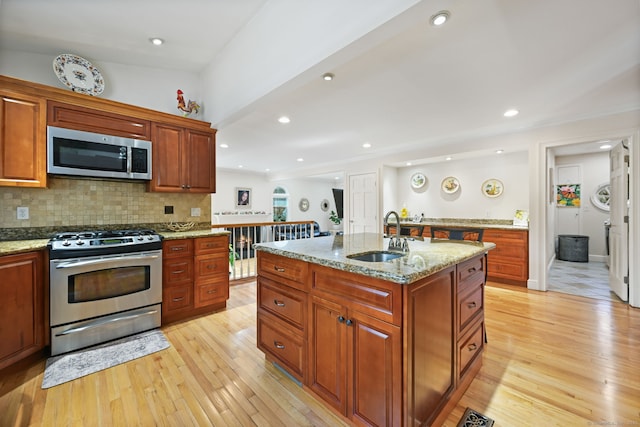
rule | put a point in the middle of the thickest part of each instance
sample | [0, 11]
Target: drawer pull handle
[340, 319]
[209, 245]
[278, 269]
[177, 272]
[278, 345]
[177, 248]
[472, 347]
[471, 270]
[278, 303]
[212, 291]
[178, 299]
[471, 305]
[210, 266]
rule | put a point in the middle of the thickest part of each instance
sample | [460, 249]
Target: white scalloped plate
[78, 74]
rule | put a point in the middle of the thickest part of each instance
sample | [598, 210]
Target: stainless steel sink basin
[376, 256]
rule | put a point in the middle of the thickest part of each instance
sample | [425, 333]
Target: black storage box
[573, 248]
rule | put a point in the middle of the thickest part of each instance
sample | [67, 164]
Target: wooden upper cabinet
[81, 118]
[183, 159]
[23, 144]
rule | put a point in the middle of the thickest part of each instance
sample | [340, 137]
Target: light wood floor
[551, 360]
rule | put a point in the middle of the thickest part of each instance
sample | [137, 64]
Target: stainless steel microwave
[74, 152]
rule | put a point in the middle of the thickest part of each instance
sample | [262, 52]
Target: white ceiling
[409, 89]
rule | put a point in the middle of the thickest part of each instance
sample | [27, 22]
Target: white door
[619, 231]
[363, 203]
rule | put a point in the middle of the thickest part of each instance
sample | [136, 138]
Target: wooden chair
[473, 234]
[413, 231]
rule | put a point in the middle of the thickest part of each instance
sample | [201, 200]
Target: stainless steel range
[103, 285]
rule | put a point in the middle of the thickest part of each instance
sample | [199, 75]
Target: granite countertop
[29, 245]
[498, 224]
[425, 256]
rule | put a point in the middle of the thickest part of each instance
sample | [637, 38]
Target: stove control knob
[140, 238]
[79, 242]
[66, 243]
[149, 237]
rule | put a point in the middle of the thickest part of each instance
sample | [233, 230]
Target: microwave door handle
[104, 261]
[129, 154]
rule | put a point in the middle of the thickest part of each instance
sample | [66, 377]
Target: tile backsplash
[88, 202]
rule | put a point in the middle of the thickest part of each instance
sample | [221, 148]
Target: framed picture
[243, 197]
[568, 195]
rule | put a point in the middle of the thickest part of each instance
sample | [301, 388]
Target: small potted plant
[335, 219]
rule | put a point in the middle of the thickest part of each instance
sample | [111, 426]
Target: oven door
[84, 288]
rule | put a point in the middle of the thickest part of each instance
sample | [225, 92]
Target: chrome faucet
[404, 247]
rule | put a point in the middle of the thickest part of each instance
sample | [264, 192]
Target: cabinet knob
[278, 303]
[278, 345]
[349, 322]
[341, 319]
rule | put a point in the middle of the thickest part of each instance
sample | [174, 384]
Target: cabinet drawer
[176, 271]
[279, 342]
[513, 271]
[211, 245]
[470, 271]
[279, 267]
[177, 248]
[509, 250]
[211, 265]
[211, 293]
[515, 235]
[468, 305]
[378, 298]
[469, 347]
[287, 303]
[176, 298]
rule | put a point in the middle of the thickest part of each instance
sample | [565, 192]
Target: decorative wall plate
[492, 188]
[78, 74]
[450, 184]
[303, 205]
[324, 205]
[601, 197]
[418, 180]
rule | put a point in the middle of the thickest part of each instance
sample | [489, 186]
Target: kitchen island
[382, 343]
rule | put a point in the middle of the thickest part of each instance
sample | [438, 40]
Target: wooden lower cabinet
[22, 300]
[195, 276]
[509, 261]
[379, 353]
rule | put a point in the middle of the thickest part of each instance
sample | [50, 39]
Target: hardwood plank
[552, 359]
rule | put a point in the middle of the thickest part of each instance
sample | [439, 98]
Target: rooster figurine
[191, 107]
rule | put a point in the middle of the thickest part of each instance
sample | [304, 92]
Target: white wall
[469, 201]
[595, 171]
[224, 210]
[151, 88]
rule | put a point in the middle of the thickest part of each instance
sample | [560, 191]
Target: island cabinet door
[355, 363]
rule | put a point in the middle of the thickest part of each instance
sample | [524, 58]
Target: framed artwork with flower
[568, 195]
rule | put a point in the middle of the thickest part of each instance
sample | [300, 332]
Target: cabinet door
[167, 158]
[328, 352]
[22, 314]
[375, 346]
[200, 173]
[23, 155]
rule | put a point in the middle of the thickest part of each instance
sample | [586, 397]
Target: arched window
[280, 204]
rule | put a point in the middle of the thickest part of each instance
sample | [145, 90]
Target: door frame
[541, 226]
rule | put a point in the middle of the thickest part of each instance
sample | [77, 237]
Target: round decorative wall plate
[492, 188]
[418, 180]
[450, 184]
[324, 205]
[78, 74]
[303, 205]
[601, 197]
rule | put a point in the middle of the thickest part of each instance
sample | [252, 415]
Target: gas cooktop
[104, 242]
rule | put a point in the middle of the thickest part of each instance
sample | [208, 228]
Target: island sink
[376, 256]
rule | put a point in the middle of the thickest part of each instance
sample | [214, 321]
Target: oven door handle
[105, 261]
[104, 322]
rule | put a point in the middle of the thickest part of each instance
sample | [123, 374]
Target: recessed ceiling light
[440, 18]
[605, 146]
[224, 146]
[267, 170]
[328, 76]
[499, 151]
[300, 159]
[408, 163]
[366, 145]
[240, 166]
[156, 41]
[284, 119]
[510, 113]
[448, 158]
